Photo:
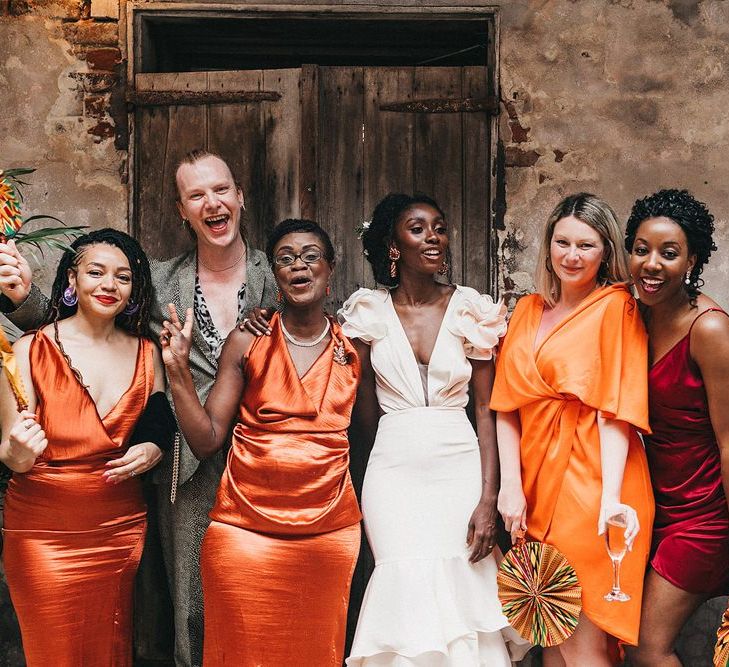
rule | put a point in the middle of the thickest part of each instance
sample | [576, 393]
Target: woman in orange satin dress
[75, 518]
[278, 557]
[571, 394]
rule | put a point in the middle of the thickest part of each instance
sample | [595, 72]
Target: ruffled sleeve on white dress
[363, 315]
[479, 320]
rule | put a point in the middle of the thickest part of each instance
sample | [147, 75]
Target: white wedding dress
[426, 605]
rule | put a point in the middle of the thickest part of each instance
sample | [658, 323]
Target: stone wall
[618, 97]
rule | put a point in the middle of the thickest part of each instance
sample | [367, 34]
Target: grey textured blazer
[173, 281]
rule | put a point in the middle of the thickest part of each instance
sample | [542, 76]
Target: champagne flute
[616, 548]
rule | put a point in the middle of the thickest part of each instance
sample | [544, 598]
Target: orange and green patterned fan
[11, 219]
[721, 650]
[539, 593]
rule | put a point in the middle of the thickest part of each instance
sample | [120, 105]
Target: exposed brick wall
[92, 32]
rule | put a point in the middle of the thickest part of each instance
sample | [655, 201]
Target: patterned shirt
[205, 321]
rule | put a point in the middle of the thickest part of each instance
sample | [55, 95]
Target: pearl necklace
[301, 343]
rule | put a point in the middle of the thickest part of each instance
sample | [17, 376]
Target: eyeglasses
[308, 257]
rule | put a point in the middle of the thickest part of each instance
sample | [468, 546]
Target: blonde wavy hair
[597, 214]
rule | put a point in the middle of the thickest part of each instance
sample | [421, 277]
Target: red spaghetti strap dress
[690, 546]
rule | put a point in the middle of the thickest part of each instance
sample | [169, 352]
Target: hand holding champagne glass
[619, 523]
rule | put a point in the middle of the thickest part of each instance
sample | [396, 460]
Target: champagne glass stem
[616, 575]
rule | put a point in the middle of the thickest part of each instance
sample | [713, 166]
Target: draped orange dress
[594, 361]
[72, 541]
[278, 557]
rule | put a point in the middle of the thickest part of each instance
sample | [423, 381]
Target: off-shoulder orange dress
[278, 557]
[594, 361]
[72, 541]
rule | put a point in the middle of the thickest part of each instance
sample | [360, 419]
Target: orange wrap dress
[594, 361]
[278, 557]
[72, 541]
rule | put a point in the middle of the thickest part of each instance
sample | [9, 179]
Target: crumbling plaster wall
[619, 98]
[57, 75]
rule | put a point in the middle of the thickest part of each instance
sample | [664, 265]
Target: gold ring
[245, 319]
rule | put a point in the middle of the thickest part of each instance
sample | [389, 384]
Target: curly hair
[377, 237]
[293, 225]
[690, 215]
[136, 323]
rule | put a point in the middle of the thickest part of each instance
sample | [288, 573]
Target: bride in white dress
[429, 494]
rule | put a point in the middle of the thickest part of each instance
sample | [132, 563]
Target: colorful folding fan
[539, 593]
[721, 650]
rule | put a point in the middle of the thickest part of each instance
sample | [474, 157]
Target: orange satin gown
[278, 557]
[72, 541]
[594, 361]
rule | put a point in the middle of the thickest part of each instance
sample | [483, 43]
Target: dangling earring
[185, 221]
[328, 290]
[279, 297]
[69, 298]
[394, 255]
[687, 279]
[130, 308]
[443, 268]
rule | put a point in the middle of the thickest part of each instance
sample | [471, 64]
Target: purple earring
[131, 308]
[69, 298]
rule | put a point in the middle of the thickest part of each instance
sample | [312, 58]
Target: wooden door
[259, 138]
[324, 149]
[363, 152]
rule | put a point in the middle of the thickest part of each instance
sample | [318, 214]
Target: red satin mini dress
[278, 557]
[72, 542]
[690, 546]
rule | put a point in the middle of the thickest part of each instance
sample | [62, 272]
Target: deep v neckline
[437, 337]
[70, 369]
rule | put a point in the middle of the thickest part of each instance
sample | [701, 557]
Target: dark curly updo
[377, 238]
[690, 215]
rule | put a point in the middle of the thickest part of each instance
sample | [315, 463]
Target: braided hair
[691, 216]
[377, 236]
[138, 322]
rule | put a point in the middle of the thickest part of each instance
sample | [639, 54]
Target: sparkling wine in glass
[616, 548]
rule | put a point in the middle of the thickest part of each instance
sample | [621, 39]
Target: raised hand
[15, 274]
[176, 338]
[26, 442]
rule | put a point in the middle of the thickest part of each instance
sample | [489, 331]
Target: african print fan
[11, 220]
[721, 650]
[539, 593]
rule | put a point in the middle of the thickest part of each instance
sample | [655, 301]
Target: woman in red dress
[75, 517]
[669, 237]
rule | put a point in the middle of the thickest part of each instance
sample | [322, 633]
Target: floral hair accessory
[362, 228]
